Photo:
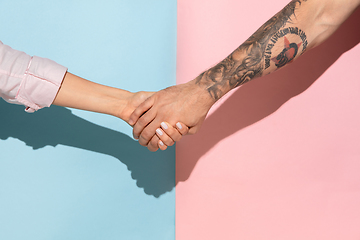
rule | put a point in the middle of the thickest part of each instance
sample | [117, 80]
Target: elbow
[325, 25]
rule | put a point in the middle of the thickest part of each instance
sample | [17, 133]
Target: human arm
[79, 93]
[37, 82]
[28, 80]
[299, 26]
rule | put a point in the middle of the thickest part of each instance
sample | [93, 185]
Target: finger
[140, 110]
[143, 121]
[182, 128]
[193, 130]
[162, 146]
[164, 137]
[170, 131]
[148, 132]
[153, 144]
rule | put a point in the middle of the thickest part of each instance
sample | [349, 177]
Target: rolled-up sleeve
[30, 81]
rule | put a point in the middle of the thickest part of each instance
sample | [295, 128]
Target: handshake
[159, 119]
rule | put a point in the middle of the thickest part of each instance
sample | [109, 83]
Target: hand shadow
[261, 97]
[154, 172]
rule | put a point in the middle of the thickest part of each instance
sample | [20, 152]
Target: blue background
[71, 174]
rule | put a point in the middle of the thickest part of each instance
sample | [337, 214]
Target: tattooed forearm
[270, 47]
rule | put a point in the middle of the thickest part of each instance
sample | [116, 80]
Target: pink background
[280, 158]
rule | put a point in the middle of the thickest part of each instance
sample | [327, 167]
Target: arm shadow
[261, 97]
[154, 172]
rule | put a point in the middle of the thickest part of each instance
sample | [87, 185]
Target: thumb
[140, 110]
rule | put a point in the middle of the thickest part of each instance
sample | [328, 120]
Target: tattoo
[289, 48]
[287, 55]
[255, 55]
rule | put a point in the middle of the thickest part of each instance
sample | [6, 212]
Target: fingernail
[159, 131]
[161, 143]
[131, 122]
[179, 125]
[164, 125]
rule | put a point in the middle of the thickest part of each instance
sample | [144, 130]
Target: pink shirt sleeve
[30, 81]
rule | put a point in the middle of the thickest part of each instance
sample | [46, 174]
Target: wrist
[127, 102]
[202, 93]
[215, 86]
[119, 104]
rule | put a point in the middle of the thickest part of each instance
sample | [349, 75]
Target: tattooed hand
[187, 103]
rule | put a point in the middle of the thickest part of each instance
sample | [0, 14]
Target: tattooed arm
[299, 26]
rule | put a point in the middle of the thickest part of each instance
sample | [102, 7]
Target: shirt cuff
[41, 83]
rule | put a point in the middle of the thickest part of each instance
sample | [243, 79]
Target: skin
[79, 93]
[298, 27]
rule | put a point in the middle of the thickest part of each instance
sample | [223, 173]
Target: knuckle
[167, 141]
[170, 133]
[154, 141]
[146, 135]
[184, 130]
[154, 144]
[142, 144]
[137, 112]
[184, 133]
[142, 121]
[174, 134]
[135, 133]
